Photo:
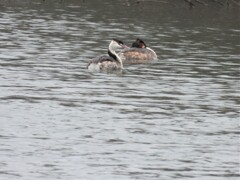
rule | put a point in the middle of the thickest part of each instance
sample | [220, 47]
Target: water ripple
[174, 118]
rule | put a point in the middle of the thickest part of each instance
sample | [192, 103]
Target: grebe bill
[108, 63]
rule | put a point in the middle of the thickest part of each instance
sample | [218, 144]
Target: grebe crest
[108, 63]
[139, 53]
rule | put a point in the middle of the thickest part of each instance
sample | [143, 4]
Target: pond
[177, 118]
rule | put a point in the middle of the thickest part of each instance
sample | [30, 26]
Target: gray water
[177, 118]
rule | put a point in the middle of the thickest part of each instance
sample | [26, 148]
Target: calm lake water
[177, 118]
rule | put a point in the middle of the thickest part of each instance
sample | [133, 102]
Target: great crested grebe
[138, 53]
[108, 63]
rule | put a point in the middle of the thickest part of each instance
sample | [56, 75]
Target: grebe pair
[138, 53]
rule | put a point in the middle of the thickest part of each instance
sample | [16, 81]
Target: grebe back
[138, 53]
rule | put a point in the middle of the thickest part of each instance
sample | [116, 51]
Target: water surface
[177, 118]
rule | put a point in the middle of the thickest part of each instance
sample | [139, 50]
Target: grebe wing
[143, 54]
[103, 63]
[137, 50]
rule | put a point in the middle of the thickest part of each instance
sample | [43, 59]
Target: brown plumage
[139, 53]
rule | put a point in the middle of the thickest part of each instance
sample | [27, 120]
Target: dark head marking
[118, 41]
[139, 44]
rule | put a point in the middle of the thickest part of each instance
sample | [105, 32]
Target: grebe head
[139, 44]
[116, 44]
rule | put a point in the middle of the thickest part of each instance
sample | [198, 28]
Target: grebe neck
[112, 53]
